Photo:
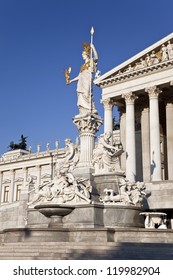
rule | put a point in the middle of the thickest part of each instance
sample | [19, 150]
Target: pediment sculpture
[164, 53]
[154, 58]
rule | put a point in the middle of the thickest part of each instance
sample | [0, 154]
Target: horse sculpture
[21, 145]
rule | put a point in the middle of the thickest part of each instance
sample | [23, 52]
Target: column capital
[155, 152]
[107, 103]
[88, 124]
[129, 97]
[153, 92]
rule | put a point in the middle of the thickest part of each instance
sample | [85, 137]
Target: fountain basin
[49, 210]
[56, 212]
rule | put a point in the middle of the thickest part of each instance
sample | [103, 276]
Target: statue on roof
[21, 145]
[84, 79]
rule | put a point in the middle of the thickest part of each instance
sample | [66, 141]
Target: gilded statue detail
[84, 79]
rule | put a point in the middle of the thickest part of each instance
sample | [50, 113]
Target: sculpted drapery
[85, 101]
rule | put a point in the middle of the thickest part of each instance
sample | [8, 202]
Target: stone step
[88, 243]
[83, 251]
[60, 246]
[85, 256]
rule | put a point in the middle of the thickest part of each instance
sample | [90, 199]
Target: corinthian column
[123, 136]
[155, 152]
[87, 126]
[1, 176]
[130, 137]
[169, 134]
[145, 124]
[108, 116]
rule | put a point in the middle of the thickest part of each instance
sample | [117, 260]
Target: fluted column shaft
[145, 124]
[130, 137]
[169, 132]
[108, 115]
[155, 152]
[1, 178]
[87, 146]
[123, 136]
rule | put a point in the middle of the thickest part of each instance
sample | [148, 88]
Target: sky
[39, 39]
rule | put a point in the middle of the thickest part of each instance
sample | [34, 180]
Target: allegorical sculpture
[65, 188]
[84, 79]
[106, 156]
[129, 194]
[71, 156]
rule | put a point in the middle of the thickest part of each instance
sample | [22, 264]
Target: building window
[18, 191]
[6, 194]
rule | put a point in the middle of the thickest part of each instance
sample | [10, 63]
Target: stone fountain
[80, 194]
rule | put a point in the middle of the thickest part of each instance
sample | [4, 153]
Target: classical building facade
[16, 169]
[142, 89]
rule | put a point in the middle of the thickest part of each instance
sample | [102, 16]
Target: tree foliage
[116, 124]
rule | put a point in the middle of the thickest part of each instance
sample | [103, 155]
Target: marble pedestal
[109, 181]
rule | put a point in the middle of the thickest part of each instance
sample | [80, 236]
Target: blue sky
[40, 38]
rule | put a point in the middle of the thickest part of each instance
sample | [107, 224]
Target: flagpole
[91, 66]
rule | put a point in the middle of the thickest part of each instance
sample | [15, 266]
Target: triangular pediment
[157, 56]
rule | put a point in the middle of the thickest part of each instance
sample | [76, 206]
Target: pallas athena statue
[84, 79]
